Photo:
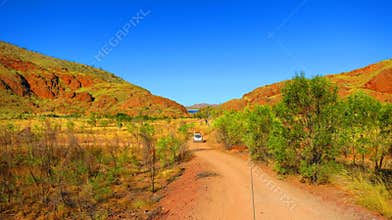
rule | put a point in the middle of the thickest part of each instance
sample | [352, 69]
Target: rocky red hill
[375, 80]
[34, 83]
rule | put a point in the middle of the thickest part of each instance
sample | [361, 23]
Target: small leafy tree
[168, 149]
[183, 137]
[361, 114]
[258, 122]
[385, 145]
[206, 113]
[121, 118]
[146, 133]
[304, 132]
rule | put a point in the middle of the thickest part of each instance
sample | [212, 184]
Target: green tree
[168, 149]
[361, 114]
[385, 145]
[183, 137]
[258, 122]
[305, 128]
[121, 118]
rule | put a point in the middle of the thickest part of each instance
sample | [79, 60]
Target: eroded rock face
[17, 84]
[382, 82]
[86, 81]
[71, 81]
[45, 85]
[84, 97]
[18, 65]
[70, 95]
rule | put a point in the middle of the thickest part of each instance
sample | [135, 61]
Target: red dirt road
[228, 195]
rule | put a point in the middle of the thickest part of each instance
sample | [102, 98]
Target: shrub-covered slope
[375, 79]
[34, 83]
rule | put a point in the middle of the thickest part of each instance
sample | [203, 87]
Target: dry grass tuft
[369, 192]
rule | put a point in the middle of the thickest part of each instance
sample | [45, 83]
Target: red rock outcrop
[84, 97]
[71, 81]
[44, 85]
[382, 82]
[86, 81]
[17, 84]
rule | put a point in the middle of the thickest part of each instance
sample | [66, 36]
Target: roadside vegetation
[87, 168]
[320, 137]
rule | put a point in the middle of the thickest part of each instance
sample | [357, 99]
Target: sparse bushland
[173, 147]
[314, 134]
[64, 171]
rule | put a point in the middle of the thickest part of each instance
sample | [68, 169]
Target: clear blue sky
[206, 51]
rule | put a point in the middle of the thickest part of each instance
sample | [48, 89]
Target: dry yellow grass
[371, 194]
[121, 184]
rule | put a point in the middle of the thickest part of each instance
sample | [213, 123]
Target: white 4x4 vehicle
[197, 137]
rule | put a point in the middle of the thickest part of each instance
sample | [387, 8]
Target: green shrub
[101, 186]
[257, 123]
[285, 158]
[168, 150]
[230, 128]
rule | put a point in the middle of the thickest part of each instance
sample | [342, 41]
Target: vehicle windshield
[197, 136]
